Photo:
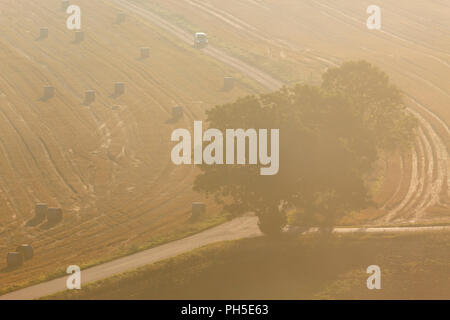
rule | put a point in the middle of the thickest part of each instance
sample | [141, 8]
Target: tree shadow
[40, 38]
[9, 269]
[34, 221]
[115, 95]
[88, 101]
[45, 98]
[226, 89]
[77, 41]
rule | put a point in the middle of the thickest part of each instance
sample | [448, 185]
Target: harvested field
[296, 41]
[106, 163]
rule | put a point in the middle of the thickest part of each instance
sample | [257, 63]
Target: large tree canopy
[330, 137]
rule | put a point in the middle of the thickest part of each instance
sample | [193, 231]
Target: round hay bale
[228, 83]
[40, 211]
[145, 52]
[54, 215]
[198, 210]
[43, 33]
[120, 17]
[119, 88]
[26, 250]
[14, 259]
[89, 96]
[177, 112]
[49, 92]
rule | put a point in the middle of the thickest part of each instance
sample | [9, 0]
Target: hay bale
[40, 211]
[177, 112]
[14, 259]
[228, 83]
[26, 250]
[89, 96]
[198, 210]
[119, 88]
[49, 92]
[120, 17]
[43, 33]
[145, 52]
[65, 4]
[79, 36]
[54, 215]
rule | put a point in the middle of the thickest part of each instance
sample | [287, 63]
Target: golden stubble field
[297, 41]
[107, 164]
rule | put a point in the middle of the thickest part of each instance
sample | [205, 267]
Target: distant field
[412, 266]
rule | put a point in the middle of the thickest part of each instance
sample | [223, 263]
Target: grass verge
[413, 266]
[177, 234]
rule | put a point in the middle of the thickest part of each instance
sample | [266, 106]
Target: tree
[330, 137]
[378, 103]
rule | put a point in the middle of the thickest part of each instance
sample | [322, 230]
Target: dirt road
[243, 227]
[238, 228]
[263, 78]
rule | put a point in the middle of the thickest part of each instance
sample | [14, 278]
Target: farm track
[238, 228]
[390, 202]
[252, 72]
